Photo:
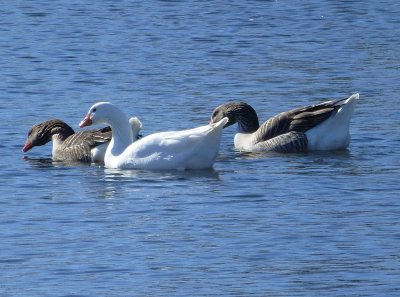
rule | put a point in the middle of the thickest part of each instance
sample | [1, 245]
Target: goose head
[108, 113]
[237, 112]
[43, 133]
[100, 113]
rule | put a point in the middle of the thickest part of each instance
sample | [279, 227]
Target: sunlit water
[323, 224]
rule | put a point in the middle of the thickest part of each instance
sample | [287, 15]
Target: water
[256, 225]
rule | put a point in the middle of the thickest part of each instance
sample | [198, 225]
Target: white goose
[187, 149]
[323, 126]
[85, 146]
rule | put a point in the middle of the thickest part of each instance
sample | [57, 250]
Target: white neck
[244, 141]
[56, 139]
[122, 135]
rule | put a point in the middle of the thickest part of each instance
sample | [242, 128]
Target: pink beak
[87, 121]
[27, 147]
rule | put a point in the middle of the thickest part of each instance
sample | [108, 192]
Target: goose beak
[27, 147]
[87, 121]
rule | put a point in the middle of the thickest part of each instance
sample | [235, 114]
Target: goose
[85, 146]
[324, 126]
[195, 148]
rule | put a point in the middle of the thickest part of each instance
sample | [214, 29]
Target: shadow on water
[111, 183]
[341, 154]
[106, 174]
[322, 162]
[300, 163]
[43, 163]
[148, 176]
[39, 162]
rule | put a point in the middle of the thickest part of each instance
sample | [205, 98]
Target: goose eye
[94, 109]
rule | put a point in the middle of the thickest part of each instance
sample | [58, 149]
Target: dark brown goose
[84, 146]
[323, 126]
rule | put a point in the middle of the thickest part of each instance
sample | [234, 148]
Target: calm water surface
[255, 225]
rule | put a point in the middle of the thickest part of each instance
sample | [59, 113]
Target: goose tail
[349, 104]
[221, 123]
[333, 133]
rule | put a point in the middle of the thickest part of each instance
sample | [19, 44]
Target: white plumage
[187, 149]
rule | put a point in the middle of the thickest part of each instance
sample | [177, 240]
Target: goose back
[296, 120]
[79, 146]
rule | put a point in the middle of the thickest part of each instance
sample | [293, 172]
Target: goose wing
[78, 146]
[297, 120]
[291, 142]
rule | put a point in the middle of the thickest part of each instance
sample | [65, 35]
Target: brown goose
[85, 146]
[324, 126]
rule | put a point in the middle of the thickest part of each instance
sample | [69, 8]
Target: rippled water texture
[317, 224]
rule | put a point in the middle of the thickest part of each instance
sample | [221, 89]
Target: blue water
[317, 224]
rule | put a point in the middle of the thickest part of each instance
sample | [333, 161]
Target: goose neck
[244, 115]
[122, 135]
[247, 122]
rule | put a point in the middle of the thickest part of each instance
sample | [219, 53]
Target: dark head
[237, 112]
[42, 133]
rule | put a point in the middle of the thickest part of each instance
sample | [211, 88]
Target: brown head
[42, 133]
[237, 112]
